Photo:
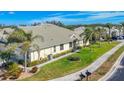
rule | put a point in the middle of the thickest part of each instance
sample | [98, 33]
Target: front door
[50, 57]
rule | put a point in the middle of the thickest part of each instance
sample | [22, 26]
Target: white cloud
[71, 18]
[11, 13]
[69, 15]
[56, 14]
[103, 15]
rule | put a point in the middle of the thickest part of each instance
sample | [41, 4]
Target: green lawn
[106, 66]
[63, 66]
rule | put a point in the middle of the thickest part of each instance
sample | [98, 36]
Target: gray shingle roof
[52, 34]
[79, 30]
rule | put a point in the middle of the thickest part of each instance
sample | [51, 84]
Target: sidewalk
[113, 69]
[91, 68]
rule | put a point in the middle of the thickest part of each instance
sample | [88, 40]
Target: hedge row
[62, 53]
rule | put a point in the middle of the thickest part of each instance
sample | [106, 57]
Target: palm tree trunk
[25, 65]
[38, 55]
[109, 35]
[123, 30]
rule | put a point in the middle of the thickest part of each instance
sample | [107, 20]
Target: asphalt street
[119, 73]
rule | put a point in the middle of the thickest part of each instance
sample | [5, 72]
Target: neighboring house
[56, 40]
[4, 34]
[115, 31]
[78, 31]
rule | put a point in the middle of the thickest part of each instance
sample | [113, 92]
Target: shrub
[13, 70]
[79, 47]
[34, 70]
[73, 58]
[21, 62]
[33, 63]
[42, 60]
[62, 53]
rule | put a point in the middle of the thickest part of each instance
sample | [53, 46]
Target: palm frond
[37, 37]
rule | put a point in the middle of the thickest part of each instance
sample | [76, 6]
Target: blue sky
[67, 17]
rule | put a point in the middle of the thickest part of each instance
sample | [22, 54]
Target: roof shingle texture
[52, 35]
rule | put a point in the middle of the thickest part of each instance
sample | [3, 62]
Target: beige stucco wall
[87, 43]
[81, 43]
[47, 51]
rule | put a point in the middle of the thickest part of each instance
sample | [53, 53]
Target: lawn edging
[113, 68]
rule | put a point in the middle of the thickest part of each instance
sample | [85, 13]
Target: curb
[113, 69]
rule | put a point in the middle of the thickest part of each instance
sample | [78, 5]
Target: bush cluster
[73, 58]
[34, 70]
[62, 53]
[42, 60]
[13, 71]
[79, 47]
[33, 63]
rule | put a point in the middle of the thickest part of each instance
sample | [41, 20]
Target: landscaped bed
[64, 66]
[106, 66]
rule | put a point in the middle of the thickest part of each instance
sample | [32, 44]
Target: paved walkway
[41, 65]
[91, 68]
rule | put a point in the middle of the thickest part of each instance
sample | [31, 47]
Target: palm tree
[87, 35]
[109, 26]
[17, 36]
[31, 39]
[29, 43]
[25, 48]
[25, 41]
[119, 27]
[100, 33]
[122, 23]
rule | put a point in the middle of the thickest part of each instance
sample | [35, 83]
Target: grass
[64, 67]
[106, 66]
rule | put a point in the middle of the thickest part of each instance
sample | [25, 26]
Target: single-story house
[56, 40]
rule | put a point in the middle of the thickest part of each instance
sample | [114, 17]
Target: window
[54, 48]
[70, 44]
[61, 47]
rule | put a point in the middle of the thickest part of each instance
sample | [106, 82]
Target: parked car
[120, 37]
[123, 36]
[114, 38]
